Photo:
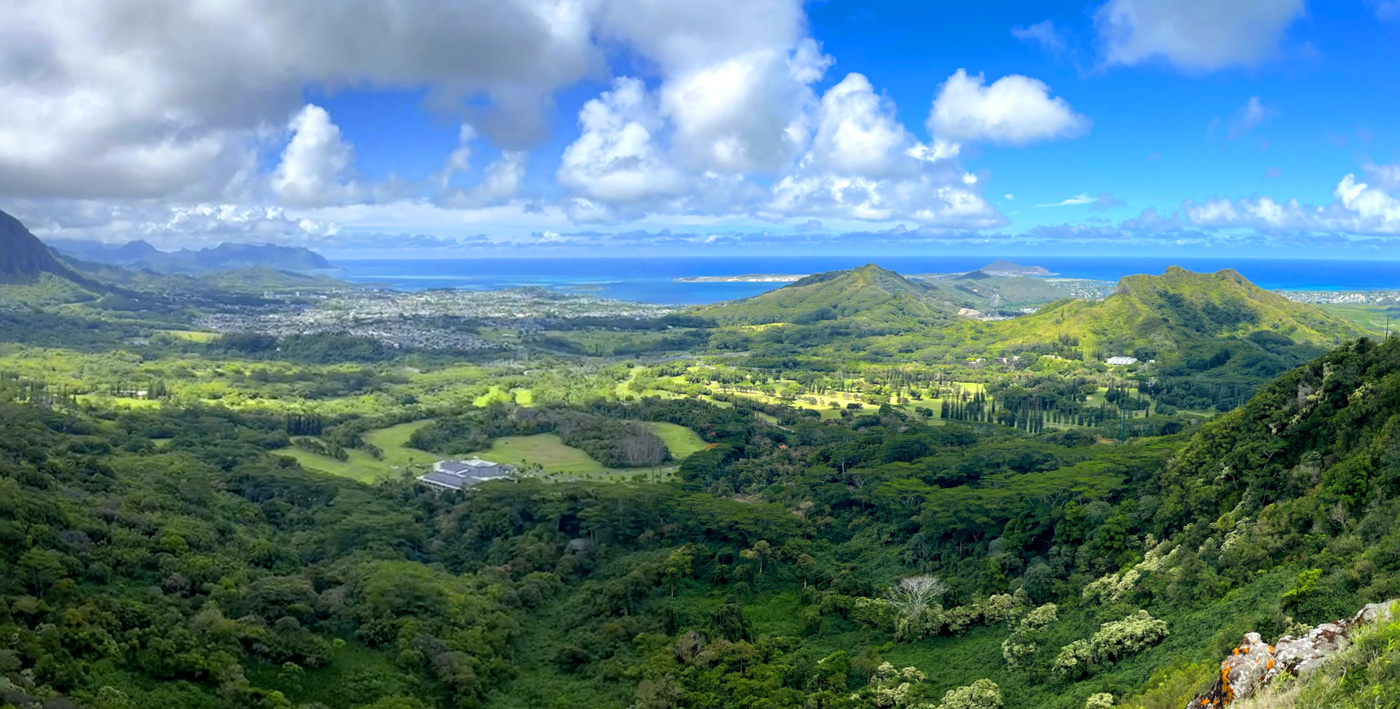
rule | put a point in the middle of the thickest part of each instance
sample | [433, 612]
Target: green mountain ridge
[875, 295]
[1158, 314]
[1171, 316]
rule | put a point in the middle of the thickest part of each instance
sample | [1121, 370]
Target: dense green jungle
[843, 494]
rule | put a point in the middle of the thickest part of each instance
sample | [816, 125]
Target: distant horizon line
[868, 258]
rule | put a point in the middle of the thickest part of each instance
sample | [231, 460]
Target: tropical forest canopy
[846, 493]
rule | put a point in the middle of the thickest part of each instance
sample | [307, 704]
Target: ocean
[654, 280]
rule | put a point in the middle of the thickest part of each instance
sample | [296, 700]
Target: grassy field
[394, 442]
[561, 461]
[365, 468]
[359, 466]
[117, 402]
[680, 440]
[1371, 317]
[545, 450]
[191, 335]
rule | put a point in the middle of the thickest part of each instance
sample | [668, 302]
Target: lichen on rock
[1255, 664]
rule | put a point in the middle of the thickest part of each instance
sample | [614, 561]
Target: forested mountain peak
[1179, 279]
[869, 275]
[876, 295]
[1226, 302]
[1158, 314]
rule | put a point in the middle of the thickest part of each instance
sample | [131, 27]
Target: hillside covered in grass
[871, 295]
[1159, 316]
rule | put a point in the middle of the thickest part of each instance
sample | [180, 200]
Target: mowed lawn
[546, 450]
[394, 442]
[191, 335]
[680, 440]
[1372, 317]
[361, 466]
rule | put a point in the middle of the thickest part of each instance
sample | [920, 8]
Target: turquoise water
[653, 280]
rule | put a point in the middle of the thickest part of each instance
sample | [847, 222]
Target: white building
[462, 474]
[1119, 361]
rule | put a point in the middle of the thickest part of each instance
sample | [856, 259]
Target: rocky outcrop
[1254, 663]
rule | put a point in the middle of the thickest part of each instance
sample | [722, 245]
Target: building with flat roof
[463, 474]
[1122, 360]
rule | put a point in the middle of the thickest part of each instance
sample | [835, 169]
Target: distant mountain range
[128, 269]
[1159, 314]
[224, 257]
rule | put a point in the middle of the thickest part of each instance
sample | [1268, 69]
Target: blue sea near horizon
[655, 280]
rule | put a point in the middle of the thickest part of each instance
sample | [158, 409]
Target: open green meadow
[190, 335]
[680, 440]
[545, 450]
[358, 466]
[1374, 318]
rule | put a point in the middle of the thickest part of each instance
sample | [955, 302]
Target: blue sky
[629, 127]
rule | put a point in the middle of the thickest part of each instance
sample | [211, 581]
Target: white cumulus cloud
[175, 98]
[735, 75]
[617, 159]
[857, 131]
[1358, 208]
[1014, 109]
[864, 165]
[314, 163]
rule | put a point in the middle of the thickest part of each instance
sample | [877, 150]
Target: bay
[655, 280]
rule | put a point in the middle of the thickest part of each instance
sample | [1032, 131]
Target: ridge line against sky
[625, 127]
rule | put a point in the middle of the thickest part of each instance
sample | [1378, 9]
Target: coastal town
[432, 319]
[1331, 297]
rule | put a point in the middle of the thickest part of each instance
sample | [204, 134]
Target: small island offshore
[744, 278]
[1000, 267]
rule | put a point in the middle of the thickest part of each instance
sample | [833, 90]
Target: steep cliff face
[22, 256]
[1255, 666]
